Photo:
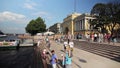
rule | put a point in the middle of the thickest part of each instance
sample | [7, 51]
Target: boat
[3, 35]
[9, 42]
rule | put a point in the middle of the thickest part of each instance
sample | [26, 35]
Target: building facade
[82, 24]
[56, 28]
[68, 23]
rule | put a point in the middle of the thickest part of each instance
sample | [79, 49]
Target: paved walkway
[83, 59]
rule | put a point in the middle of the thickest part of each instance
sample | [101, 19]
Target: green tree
[106, 15]
[36, 26]
[113, 14]
[98, 12]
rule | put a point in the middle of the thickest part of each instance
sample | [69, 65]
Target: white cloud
[13, 22]
[40, 13]
[10, 16]
[30, 5]
[43, 15]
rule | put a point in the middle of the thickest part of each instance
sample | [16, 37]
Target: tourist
[88, 37]
[63, 60]
[53, 59]
[105, 38]
[100, 37]
[92, 37]
[38, 43]
[109, 38]
[114, 40]
[95, 37]
[49, 44]
[71, 44]
[47, 39]
[65, 45]
[44, 56]
[68, 58]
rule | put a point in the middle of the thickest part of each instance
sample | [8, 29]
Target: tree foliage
[106, 15]
[36, 26]
[99, 12]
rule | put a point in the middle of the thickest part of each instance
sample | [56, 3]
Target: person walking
[53, 59]
[44, 57]
[49, 44]
[65, 45]
[105, 38]
[114, 39]
[68, 58]
[88, 37]
[71, 44]
[63, 61]
[95, 37]
[47, 39]
[108, 38]
[92, 37]
[38, 43]
[100, 38]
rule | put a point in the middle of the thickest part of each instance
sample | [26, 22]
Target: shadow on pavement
[82, 60]
[77, 64]
[62, 50]
[49, 65]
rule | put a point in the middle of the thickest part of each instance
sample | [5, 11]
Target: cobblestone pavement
[84, 59]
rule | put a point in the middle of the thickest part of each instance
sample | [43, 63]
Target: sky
[16, 14]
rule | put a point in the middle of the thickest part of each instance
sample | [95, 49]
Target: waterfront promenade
[29, 57]
[84, 59]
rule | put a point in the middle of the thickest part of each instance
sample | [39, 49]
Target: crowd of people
[99, 37]
[68, 47]
[66, 60]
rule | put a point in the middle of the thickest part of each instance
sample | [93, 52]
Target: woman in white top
[65, 45]
[71, 44]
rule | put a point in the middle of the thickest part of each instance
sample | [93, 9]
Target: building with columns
[68, 23]
[82, 24]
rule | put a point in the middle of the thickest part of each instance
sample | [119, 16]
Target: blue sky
[16, 14]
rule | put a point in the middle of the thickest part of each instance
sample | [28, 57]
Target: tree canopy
[106, 15]
[36, 26]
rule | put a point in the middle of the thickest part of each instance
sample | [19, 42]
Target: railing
[46, 62]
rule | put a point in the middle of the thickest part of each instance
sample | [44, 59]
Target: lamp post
[74, 5]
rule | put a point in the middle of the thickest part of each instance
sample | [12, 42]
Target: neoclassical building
[69, 23]
[82, 24]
